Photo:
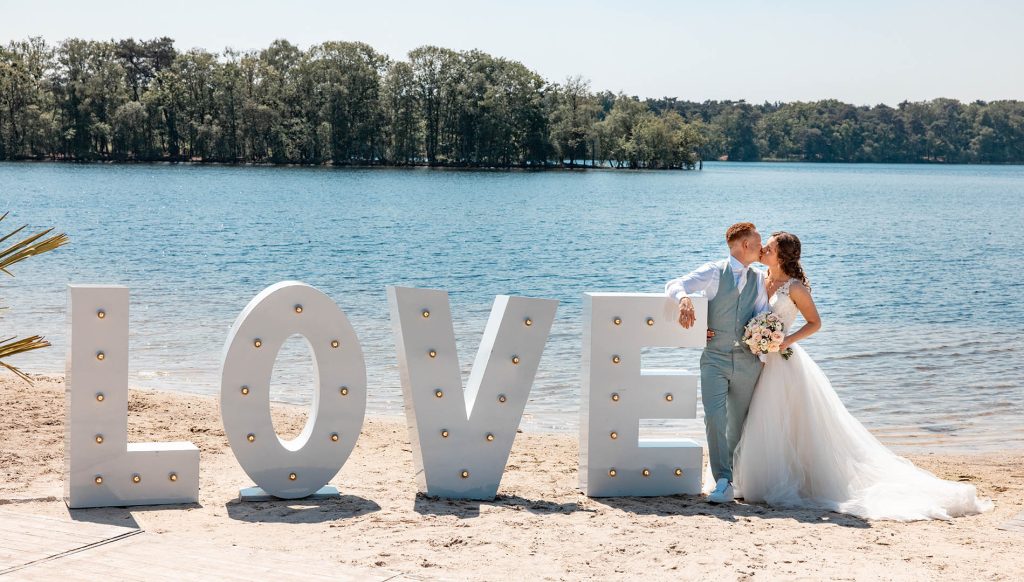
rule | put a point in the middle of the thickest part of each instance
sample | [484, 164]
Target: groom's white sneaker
[723, 492]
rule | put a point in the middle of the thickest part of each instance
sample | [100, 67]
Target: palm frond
[30, 247]
[11, 347]
[13, 232]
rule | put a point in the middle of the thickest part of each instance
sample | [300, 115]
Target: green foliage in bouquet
[30, 246]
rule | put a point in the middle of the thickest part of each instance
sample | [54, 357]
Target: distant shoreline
[467, 168]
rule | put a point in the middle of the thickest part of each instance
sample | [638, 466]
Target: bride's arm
[802, 298]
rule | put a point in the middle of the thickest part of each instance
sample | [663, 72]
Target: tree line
[344, 103]
[936, 131]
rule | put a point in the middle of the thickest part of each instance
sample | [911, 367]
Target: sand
[539, 528]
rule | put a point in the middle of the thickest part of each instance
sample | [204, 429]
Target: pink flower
[777, 336]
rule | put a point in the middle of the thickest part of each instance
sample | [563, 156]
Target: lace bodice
[783, 306]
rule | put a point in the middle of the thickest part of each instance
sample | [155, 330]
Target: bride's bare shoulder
[798, 289]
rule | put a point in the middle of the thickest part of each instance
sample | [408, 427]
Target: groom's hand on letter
[686, 315]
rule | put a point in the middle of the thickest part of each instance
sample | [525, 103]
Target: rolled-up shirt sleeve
[761, 302]
[696, 283]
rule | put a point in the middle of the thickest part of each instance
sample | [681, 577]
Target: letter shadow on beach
[300, 510]
[692, 505]
[105, 515]
[123, 515]
[469, 508]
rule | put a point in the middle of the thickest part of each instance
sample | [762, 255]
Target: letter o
[300, 467]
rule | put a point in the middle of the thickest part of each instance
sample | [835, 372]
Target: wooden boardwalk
[30, 539]
[42, 548]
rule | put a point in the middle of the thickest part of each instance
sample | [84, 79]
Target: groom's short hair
[739, 231]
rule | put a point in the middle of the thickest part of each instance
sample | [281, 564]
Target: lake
[913, 267]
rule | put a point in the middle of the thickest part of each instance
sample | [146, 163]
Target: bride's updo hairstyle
[789, 256]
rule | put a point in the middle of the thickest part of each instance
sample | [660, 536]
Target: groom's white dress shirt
[704, 282]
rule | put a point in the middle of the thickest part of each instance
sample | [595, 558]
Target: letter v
[460, 445]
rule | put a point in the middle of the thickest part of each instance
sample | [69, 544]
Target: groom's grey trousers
[728, 370]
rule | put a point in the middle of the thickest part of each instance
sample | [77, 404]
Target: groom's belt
[720, 342]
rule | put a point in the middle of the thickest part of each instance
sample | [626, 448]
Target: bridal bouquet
[764, 335]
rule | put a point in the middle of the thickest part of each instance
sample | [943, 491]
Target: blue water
[915, 269]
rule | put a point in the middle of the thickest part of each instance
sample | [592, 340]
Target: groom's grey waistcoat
[730, 310]
[728, 371]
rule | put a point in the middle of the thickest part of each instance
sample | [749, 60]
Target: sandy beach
[540, 527]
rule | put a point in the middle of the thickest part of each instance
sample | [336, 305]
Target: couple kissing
[777, 432]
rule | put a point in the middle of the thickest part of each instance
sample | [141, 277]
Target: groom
[728, 370]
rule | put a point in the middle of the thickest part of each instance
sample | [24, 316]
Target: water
[914, 268]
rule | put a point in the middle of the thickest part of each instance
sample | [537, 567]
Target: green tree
[617, 131]
[348, 78]
[738, 126]
[402, 118]
[574, 121]
[437, 73]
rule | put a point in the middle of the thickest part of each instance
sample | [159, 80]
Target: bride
[800, 447]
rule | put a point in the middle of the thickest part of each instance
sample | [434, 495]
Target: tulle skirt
[801, 448]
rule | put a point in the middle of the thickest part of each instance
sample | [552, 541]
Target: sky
[865, 52]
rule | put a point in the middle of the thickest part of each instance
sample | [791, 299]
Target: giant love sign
[461, 436]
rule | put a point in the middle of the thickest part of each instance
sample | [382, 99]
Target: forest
[344, 103]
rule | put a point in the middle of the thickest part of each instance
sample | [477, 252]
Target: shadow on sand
[300, 510]
[690, 505]
[677, 505]
[123, 515]
[468, 508]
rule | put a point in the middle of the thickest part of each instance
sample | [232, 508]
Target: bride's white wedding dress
[802, 448]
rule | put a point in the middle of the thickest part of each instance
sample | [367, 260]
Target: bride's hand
[786, 344]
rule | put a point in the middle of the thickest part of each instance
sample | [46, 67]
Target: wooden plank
[25, 539]
[156, 556]
[43, 548]
[39, 522]
[66, 529]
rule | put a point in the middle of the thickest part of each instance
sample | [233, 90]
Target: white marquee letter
[617, 394]
[102, 467]
[461, 439]
[300, 467]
